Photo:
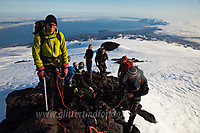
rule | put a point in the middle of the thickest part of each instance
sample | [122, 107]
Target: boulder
[110, 46]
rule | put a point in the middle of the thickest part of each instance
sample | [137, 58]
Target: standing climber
[88, 56]
[50, 55]
[136, 86]
[124, 65]
[100, 60]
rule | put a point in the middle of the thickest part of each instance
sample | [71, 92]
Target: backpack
[71, 71]
[130, 63]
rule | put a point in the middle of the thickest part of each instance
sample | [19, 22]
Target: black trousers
[89, 67]
[133, 105]
[102, 67]
[53, 96]
[121, 79]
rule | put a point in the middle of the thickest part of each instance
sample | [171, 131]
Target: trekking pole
[45, 93]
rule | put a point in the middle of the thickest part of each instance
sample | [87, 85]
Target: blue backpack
[71, 71]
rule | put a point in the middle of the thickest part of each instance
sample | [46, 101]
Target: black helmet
[50, 18]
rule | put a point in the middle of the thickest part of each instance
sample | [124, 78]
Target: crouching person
[136, 86]
[79, 77]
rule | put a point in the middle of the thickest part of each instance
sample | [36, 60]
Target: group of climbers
[100, 60]
[51, 57]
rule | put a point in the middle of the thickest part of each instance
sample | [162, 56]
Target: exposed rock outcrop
[26, 109]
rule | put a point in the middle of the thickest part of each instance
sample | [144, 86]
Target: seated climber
[75, 65]
[87, 87]
[136, 86]
[79, 77]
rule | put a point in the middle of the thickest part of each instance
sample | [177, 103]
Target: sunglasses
[49, 24]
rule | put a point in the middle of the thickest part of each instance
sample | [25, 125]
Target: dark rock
[110, 46]
[20, 108]
[25, 109]
[3, 130]
[147, 116]
[22, 61]
[34, 125]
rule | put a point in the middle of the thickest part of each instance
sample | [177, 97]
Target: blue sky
[138, 8]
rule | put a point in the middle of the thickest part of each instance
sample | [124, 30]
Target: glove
[65, 69]
[125, 92]
[40, 72]
[130, 95]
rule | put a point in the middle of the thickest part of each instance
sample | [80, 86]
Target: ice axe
[45, 93]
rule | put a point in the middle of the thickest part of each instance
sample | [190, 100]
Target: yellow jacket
[51, 47]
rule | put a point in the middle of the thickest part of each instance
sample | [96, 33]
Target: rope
[86, 92]
[62, 98]
[91, 127]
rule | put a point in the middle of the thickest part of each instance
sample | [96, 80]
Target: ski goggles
[52, 24]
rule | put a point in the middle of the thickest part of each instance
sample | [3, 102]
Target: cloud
[183, 28]
[8, 25]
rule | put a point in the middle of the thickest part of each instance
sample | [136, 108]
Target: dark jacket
[80, 80]
[89, 54]
[138, 86]
[101, 57]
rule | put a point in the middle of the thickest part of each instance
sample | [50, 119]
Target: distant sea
[23, 34]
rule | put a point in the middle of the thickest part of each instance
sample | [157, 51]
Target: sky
[137, 8]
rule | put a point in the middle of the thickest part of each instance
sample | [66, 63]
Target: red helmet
[124, 57]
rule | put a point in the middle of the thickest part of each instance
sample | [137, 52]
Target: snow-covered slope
[173, 74]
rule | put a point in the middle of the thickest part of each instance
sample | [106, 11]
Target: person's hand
[125, 92]
[65, 69]
[130, 95]
[40, 72]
